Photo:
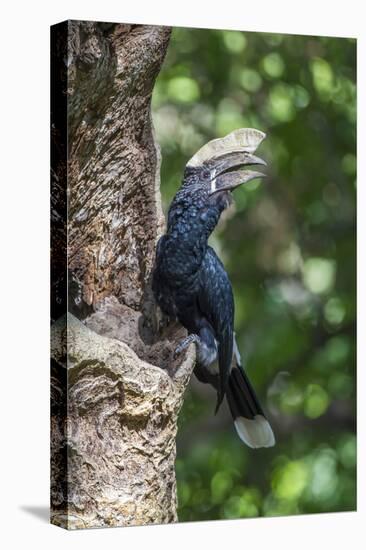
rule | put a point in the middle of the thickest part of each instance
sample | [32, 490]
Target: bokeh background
[289, 246]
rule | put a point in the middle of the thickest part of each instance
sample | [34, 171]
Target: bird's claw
[183, 344]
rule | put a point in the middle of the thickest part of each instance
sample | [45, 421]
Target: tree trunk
[116, 389]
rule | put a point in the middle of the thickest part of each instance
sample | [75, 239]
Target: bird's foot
[183, 344]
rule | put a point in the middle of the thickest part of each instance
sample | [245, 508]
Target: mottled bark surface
[121, 428]
[114, 214]
[116, 389]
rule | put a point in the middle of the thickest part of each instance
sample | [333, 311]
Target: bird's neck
[193, 224]
[187, 239]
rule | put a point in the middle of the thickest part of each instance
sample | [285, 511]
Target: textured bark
[114, 214]
[121, 428]
[116, 389]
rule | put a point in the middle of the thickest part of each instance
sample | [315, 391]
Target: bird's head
[210, 176]
[219, 166]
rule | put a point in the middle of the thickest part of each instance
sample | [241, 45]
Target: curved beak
[230, 180]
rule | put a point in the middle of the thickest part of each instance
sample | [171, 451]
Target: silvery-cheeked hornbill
[190, 283]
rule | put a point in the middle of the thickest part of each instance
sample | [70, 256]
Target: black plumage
[190, 282]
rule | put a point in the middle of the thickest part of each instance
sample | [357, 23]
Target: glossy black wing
[215, 300]
[160, 286]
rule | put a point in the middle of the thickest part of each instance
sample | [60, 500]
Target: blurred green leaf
[273, 65]
[290, 480]
[322, 77]
[183, 89]
[316, 401]
[319, 274]
[281, 106]
[234, 41]
[250, 80]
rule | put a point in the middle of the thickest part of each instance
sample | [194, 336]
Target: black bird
[190, 282]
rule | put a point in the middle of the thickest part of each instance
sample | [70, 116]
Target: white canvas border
[24, 274]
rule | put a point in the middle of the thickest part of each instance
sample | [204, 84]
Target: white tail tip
[255, 432]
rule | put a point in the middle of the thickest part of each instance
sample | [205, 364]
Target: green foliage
[289, 247]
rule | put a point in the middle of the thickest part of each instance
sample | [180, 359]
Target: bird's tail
[252, 426]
